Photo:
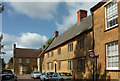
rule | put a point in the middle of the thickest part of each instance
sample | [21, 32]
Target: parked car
[6, 71]
[61, 77]
[36, 74]
[8, 77]
[46, 75]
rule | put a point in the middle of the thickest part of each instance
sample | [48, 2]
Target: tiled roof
[26, 53]
[84, 25]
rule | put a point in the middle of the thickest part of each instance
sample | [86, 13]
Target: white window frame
[106, 21]
[107, 55]
[21, 68]
[20, 60]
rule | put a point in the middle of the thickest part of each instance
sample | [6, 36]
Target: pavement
[26, 77]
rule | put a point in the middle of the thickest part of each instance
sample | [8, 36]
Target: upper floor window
[59, 51]
[81, 43]
[111, 15]
[52, 54]
[20, 60]
[112, 56]
[70, 47]
[27, 60]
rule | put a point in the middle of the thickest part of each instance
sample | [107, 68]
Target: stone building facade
[69, 51]
[106, 19]
[25, 60]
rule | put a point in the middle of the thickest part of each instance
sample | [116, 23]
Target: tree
[3, 64]
[48, 41]
[10, 63]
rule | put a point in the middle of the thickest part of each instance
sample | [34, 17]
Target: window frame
[107, 56]
[106, 20]
[27, 60]
[81, 43]
[20, 60]
[59, 51]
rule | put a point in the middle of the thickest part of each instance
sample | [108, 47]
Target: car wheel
[44, 79]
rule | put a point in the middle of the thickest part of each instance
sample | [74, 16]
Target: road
[26, 77]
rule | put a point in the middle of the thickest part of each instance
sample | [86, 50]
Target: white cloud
[71, 18]
[42, 10]
[32, 40]
[26, 40]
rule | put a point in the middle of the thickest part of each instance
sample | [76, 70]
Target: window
[81, 43]
[20, 60]
[69, 65]
[52, 54]
[81, 65]
[48, 55]
[70, 47]
[112, 56]
[111, 15]
[21, 69]
[48, 66]
[59, 65]
[51, 65]
[27, 60]
[25, 68]
[59, 51]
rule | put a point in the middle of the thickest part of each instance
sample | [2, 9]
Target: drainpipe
[94, 79]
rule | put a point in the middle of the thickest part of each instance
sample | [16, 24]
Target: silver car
[36, 74]
[46, 75]
[61, 77]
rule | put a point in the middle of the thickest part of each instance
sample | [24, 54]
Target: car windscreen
[7, 77]
[36, 72]
[65, 74]
[50, 73]
[7, 72]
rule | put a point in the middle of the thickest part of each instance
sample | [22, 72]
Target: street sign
[91, 54]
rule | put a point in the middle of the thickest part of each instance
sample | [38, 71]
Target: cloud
[26, 40]
[42, 10]
[71, 18]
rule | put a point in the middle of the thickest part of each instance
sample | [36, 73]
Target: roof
[98, 5]
[75, 30]
[26, 53]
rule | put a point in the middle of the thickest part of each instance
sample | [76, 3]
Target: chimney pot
[81, 14]
[14, 45]
[43, 46]
[56, 33]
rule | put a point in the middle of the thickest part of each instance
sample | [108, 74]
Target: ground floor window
[81, 65]
[59, 65]
[112, 56]
[48, 66]
[69, 65]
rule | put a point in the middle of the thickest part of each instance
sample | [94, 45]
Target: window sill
[111, 28]
[112, 69]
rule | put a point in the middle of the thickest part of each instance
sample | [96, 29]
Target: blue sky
[30, 24]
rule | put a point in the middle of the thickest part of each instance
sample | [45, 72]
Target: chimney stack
[14, 46]
[81, 14]
[56, 33]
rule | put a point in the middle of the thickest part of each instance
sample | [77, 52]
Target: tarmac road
[26, 77]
